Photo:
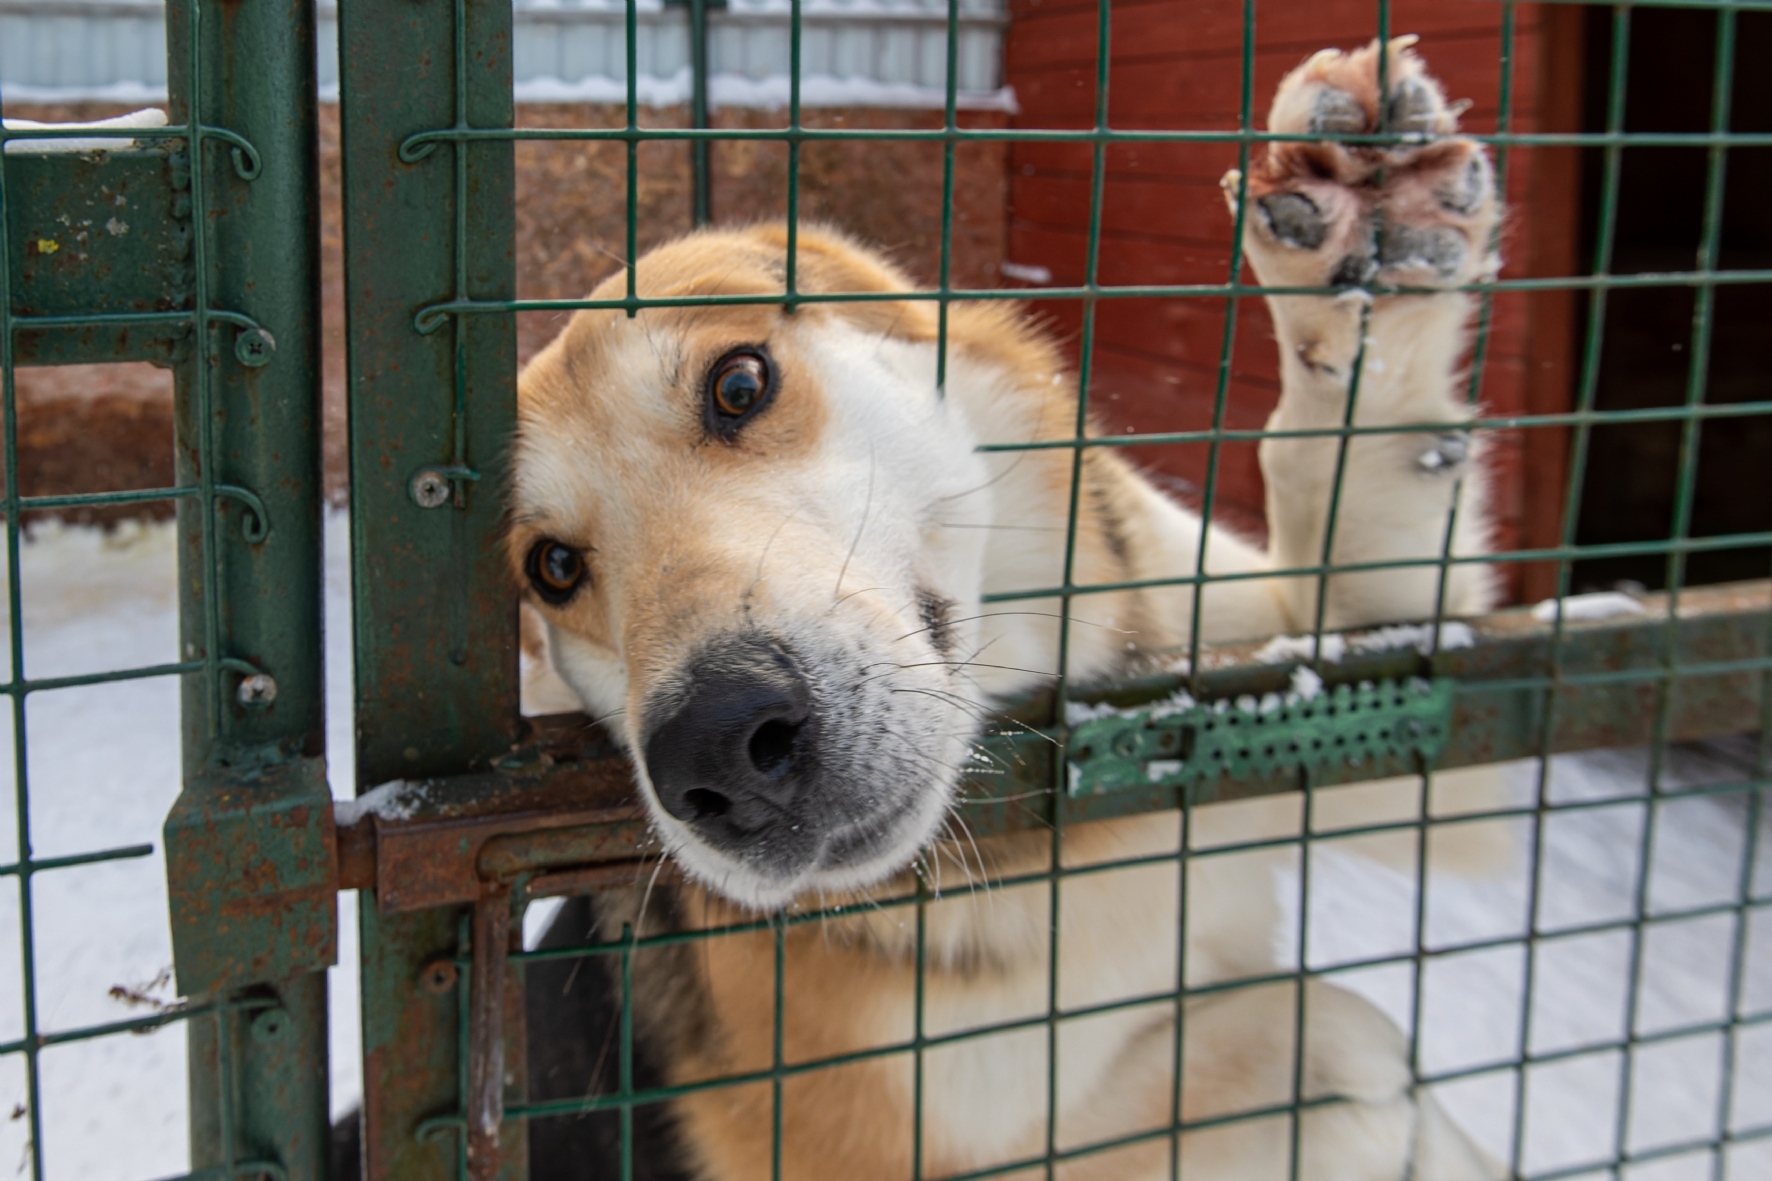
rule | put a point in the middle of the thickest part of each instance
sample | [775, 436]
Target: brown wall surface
[91, 428]
[1177, 64]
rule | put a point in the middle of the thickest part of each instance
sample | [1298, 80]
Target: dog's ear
[1001, 330]
[827, 261]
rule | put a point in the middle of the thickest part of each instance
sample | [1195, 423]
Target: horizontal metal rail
[431, 318]
[560, 814]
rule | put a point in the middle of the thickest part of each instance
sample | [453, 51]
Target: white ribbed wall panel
[853, 52]
[82, 50]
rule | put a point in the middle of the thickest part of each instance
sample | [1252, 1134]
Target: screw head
[258, 689]
[438, 977]
[253, 347]
[430, 488]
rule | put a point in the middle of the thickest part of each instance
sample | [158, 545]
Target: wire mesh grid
[181, 311]
[1522, 1063]
[1524, 1059]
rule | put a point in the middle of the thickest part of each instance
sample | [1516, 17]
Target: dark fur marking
[937, 614]
[1113, 525]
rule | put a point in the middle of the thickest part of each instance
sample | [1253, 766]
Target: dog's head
[756, 540]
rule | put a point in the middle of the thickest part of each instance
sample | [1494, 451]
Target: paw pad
[1467, 191]
[1415, 108]
[1294, 219]
[1419, 211]
[1439, 249]
[1336, 112]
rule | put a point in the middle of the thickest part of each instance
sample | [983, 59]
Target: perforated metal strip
[1180, 741]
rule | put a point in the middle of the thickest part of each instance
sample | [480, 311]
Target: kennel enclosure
[217, 276]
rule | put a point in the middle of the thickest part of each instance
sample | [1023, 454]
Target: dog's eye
[555, 570]
[738, 387]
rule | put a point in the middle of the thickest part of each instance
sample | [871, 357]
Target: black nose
[734, 750]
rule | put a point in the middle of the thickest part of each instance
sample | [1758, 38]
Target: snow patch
[397, 799]
[146, 117]
[1420, 636]
[1287, 649]
[1306, 684]
[537, 917]
[1179, 701]
[1025, 272]
[1078, 712]
[1599, 605]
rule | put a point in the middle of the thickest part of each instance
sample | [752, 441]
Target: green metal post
[433, 406]
[249, 842]
[435, 637]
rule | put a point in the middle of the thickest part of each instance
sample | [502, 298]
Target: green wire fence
[184, 291]
[224, 289]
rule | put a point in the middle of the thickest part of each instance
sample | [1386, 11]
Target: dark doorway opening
[1644, 478]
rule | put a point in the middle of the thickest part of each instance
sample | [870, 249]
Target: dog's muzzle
[735, 756]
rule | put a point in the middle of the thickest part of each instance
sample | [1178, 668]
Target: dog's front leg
[1419, 214]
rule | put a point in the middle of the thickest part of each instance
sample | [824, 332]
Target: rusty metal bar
[561, 816]
[486, 1029]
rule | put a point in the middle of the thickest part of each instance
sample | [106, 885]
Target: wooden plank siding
[1178, 64]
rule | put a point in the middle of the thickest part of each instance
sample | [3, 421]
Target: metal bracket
[101, 259]
[1180, 741]
[252, 874]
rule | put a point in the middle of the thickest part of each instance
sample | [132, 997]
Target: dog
[754, 543]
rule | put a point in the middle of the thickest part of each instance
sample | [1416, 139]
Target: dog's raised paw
[1415, 208]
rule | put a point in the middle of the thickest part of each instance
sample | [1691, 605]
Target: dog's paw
[1326, 213]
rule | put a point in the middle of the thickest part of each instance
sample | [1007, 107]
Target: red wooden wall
[1177, 64]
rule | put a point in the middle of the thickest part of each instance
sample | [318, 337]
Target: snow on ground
[103, 764]
[1471, 1002]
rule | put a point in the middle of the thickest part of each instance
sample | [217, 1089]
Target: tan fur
[688, 537]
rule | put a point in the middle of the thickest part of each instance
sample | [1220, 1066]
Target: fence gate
[197, 249]
[219, 281]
